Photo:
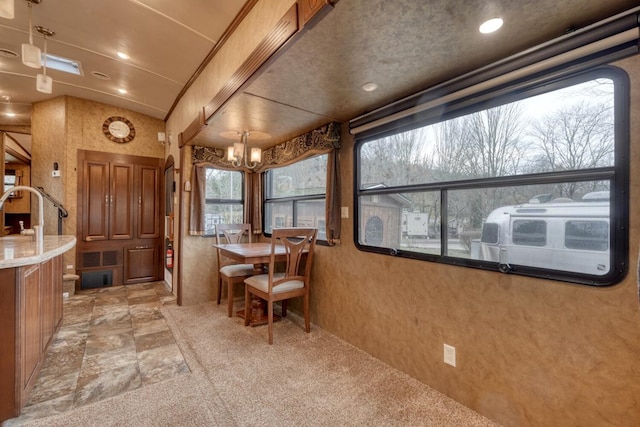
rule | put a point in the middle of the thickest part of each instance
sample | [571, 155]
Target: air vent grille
[91, 259]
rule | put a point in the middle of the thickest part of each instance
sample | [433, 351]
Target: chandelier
[238, 153]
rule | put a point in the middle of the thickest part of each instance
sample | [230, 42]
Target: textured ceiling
[402, 45]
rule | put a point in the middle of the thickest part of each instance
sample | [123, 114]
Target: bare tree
[396, 159]
[495, 144]
[576, 137]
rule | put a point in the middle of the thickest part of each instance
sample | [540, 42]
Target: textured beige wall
[529, 351]
[63, 125]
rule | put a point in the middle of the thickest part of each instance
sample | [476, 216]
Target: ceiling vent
[100, 76]
[6, 53]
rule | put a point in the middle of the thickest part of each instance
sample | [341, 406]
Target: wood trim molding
[268, 49]
[312, 11]
[193, 129]
[277, 37]
[223, 39]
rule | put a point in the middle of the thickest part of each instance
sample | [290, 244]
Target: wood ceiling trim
[277, 37]
[268, 49]
[223, 39]
[192, 130]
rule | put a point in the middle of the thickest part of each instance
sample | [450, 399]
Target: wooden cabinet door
[58, 290]
[46, 302]
[121, 202]
[148, 223]
[30, 326]
[95, 214]
[141, 264]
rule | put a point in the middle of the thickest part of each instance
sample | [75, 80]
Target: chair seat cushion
[237, 270]
[261, 282]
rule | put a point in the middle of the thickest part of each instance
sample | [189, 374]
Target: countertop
[17, 250]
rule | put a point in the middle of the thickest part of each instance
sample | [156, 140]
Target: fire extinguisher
[170, 256]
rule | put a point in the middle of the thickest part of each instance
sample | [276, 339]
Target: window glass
[295, 195]
[529, 232]
[519, 186]
[587, 235]
[224, 200]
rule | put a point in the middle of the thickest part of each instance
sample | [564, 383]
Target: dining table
[258, 254]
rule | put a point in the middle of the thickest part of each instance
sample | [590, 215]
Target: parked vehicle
[560, 234]
[415, 225]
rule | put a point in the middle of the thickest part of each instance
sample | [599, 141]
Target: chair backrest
[232, 233]
[299, 244]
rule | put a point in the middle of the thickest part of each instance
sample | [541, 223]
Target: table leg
[258, 314]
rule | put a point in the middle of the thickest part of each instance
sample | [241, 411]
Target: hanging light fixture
[44, 83]
[7, 9]
[31, 55]
[237, 154]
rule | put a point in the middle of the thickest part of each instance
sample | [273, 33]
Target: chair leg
[230, 298]
[307, 323]
[219, 289]
[283, 305]
[247, 309]
[270, 318]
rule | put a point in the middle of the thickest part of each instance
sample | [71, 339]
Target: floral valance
[321, 140]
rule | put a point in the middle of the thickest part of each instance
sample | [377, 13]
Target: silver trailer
[560, 235]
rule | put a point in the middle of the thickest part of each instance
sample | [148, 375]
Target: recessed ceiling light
[122, 91]
[123, 55]
[491, 25]
[10, 114]
[369, 87]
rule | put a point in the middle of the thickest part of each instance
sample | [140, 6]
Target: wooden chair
[293, 282]
[228, 271]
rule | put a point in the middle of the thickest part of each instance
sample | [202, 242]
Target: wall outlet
[345, 212]
[450, 355]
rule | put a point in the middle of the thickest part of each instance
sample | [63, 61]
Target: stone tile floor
[112, 340]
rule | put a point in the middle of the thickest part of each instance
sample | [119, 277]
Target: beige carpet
[237, 379]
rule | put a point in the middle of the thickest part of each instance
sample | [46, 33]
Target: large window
[224, 198]
[295, 195]
[533, 183]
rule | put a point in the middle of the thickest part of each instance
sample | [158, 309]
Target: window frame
[617, 175]
[295, 200]
[218, 201]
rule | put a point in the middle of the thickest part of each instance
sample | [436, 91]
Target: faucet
[38, 230]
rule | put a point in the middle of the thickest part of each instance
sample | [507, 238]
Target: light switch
[345, 212]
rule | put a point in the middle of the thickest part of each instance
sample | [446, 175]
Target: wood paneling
[30, 316]
[119, 209]
[7, 338]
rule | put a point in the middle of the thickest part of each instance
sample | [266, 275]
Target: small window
[295, 196]
[587, 235]
[374, 230]
[224, 198]
[490, 233]
[529, 233]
